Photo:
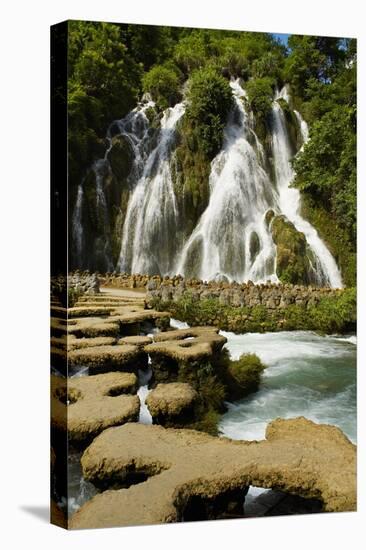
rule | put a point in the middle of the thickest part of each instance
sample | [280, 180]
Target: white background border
[24, 218]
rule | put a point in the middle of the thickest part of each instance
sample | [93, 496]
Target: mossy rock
[245, 374]
[292, 124]
[120, 157]
[269, 215]
[336, 238]
[190, 171]
[293, 265]
[254, 246]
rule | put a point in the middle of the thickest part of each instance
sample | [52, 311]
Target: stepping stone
[93, 326]
[94, 403]
[172, 404]
[140, 341]
[187, 344]
[108, 358]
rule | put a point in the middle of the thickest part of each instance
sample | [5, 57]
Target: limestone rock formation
[140, 341]
[172, 404]
[187, 344]
[108, 358]
[298, 457]
[88, 405]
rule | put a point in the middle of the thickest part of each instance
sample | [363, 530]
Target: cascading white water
[76, 222]
[151, 221]
[136, 130]
[326, 269]
[303, 128]
[232, 237]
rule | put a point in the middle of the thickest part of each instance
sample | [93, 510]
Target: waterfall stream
[76, 222]
[151, 219]
[232, 238]
[326, 270]
[232, 233]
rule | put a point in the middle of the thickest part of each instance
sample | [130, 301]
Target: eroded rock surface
[101, 359]
[93, 403]
[187, 344]
[172, 403]
[298, 456]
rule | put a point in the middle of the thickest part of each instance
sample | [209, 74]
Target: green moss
[293, 265]
[241, 376]
[292, 124]
[336, 238]
[208, 423]
[190, 171]
[120, 157]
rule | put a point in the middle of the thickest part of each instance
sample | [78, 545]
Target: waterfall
[326, 270]
[76, 223]
[232, 238]
[137, 132]
[303, 128]
[148, 244]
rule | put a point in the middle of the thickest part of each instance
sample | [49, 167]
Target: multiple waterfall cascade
[232, 240]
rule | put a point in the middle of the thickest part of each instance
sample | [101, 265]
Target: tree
[260, 95]
[163, 85]
[326, 169]
[210, 100]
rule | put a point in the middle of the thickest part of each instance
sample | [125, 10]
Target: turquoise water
[307, 375]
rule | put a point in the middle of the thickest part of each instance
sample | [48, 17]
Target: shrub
[240, 376]
[332, 314]
[210, 100]
[260, 95]
[163, 85]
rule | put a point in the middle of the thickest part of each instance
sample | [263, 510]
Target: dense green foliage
[326, 170]
[260, 95]
[330, 315]
[322, 72]
[210, 100]
[162, 82]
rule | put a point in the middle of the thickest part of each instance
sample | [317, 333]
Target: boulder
[172, 404]
[188, 470]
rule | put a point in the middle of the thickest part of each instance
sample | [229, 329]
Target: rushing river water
[307, 375]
